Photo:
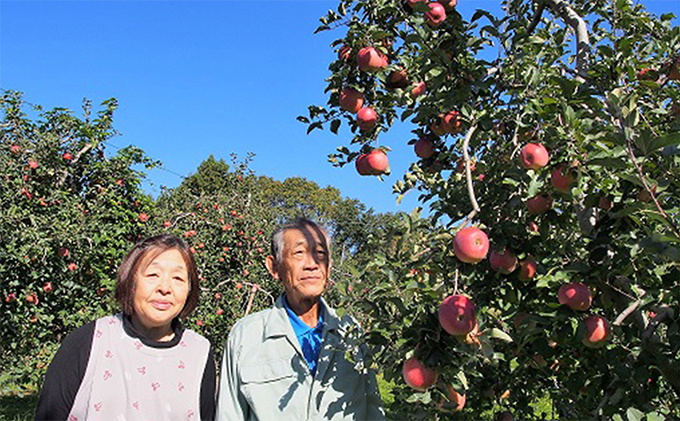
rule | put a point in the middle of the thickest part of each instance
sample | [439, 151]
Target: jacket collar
[277, 323]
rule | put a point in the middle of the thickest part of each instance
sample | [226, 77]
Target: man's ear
[271, 267]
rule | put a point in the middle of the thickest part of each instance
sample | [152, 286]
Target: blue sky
[196, 78]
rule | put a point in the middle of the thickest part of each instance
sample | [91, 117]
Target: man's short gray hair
[300, 224]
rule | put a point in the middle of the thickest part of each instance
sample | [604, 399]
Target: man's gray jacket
[265, 375]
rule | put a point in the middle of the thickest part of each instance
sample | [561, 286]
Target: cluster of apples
[375, 162]
[371, 60]
[535, 156]
[457, 317]
[577, 296]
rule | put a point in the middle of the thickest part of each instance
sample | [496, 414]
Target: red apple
[344, 53]
[648, 74]
[436, 15]
[143, 217]
[451, 122]
[454, 401]
[645, 196]
[418, 89]
[48, 287]
[417, 375]
[520, 318]
[533, 227]
[604, 203]
[674, 72]
[10, 297]
[63, 252]
[539, 204]
[504, 416]
[424, 148]
[362, 165]
[351, 100]
[33, 164]
[575, 296]
[32, 298]
[438, 129]
[377, 161]
[527, 268]
[598, 331]
[534, 156]
[72, 267]
[457, 315]
[460, 167]
[15, 149]
[397, 79]
[504, 262]
[561, 180]
[67, 156]
[219, 312]
[367, 118]
[471, 245]
[371, 60]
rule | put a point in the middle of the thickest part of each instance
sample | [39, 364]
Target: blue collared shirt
[309, 337]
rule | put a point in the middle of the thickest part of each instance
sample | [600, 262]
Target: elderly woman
[141, 363]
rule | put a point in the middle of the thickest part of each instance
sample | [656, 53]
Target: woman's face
[161, 289]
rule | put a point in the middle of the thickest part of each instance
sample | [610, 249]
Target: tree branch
[641, 175]
[538, 14]
[468, 176]
[577, 23]
[630, 309]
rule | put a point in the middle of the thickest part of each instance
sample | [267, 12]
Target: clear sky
[195, 78]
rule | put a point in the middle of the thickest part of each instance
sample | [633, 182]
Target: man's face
[304, 264]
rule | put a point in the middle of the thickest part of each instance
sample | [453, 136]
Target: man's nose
[311, 261]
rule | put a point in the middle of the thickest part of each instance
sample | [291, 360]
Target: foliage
[605, 120]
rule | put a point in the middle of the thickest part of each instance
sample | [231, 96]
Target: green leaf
[634, 414]
[616, 163]
[463, 379]
[335, 125]
[407, 113]
[655, 416]
[498, 334]
[315, 125]
[663, 141]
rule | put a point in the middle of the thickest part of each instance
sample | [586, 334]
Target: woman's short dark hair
[152, 247]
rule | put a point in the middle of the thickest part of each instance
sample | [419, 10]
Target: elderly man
[289, 362]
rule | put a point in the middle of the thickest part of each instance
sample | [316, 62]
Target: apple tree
[544, 281]
[69, 213]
